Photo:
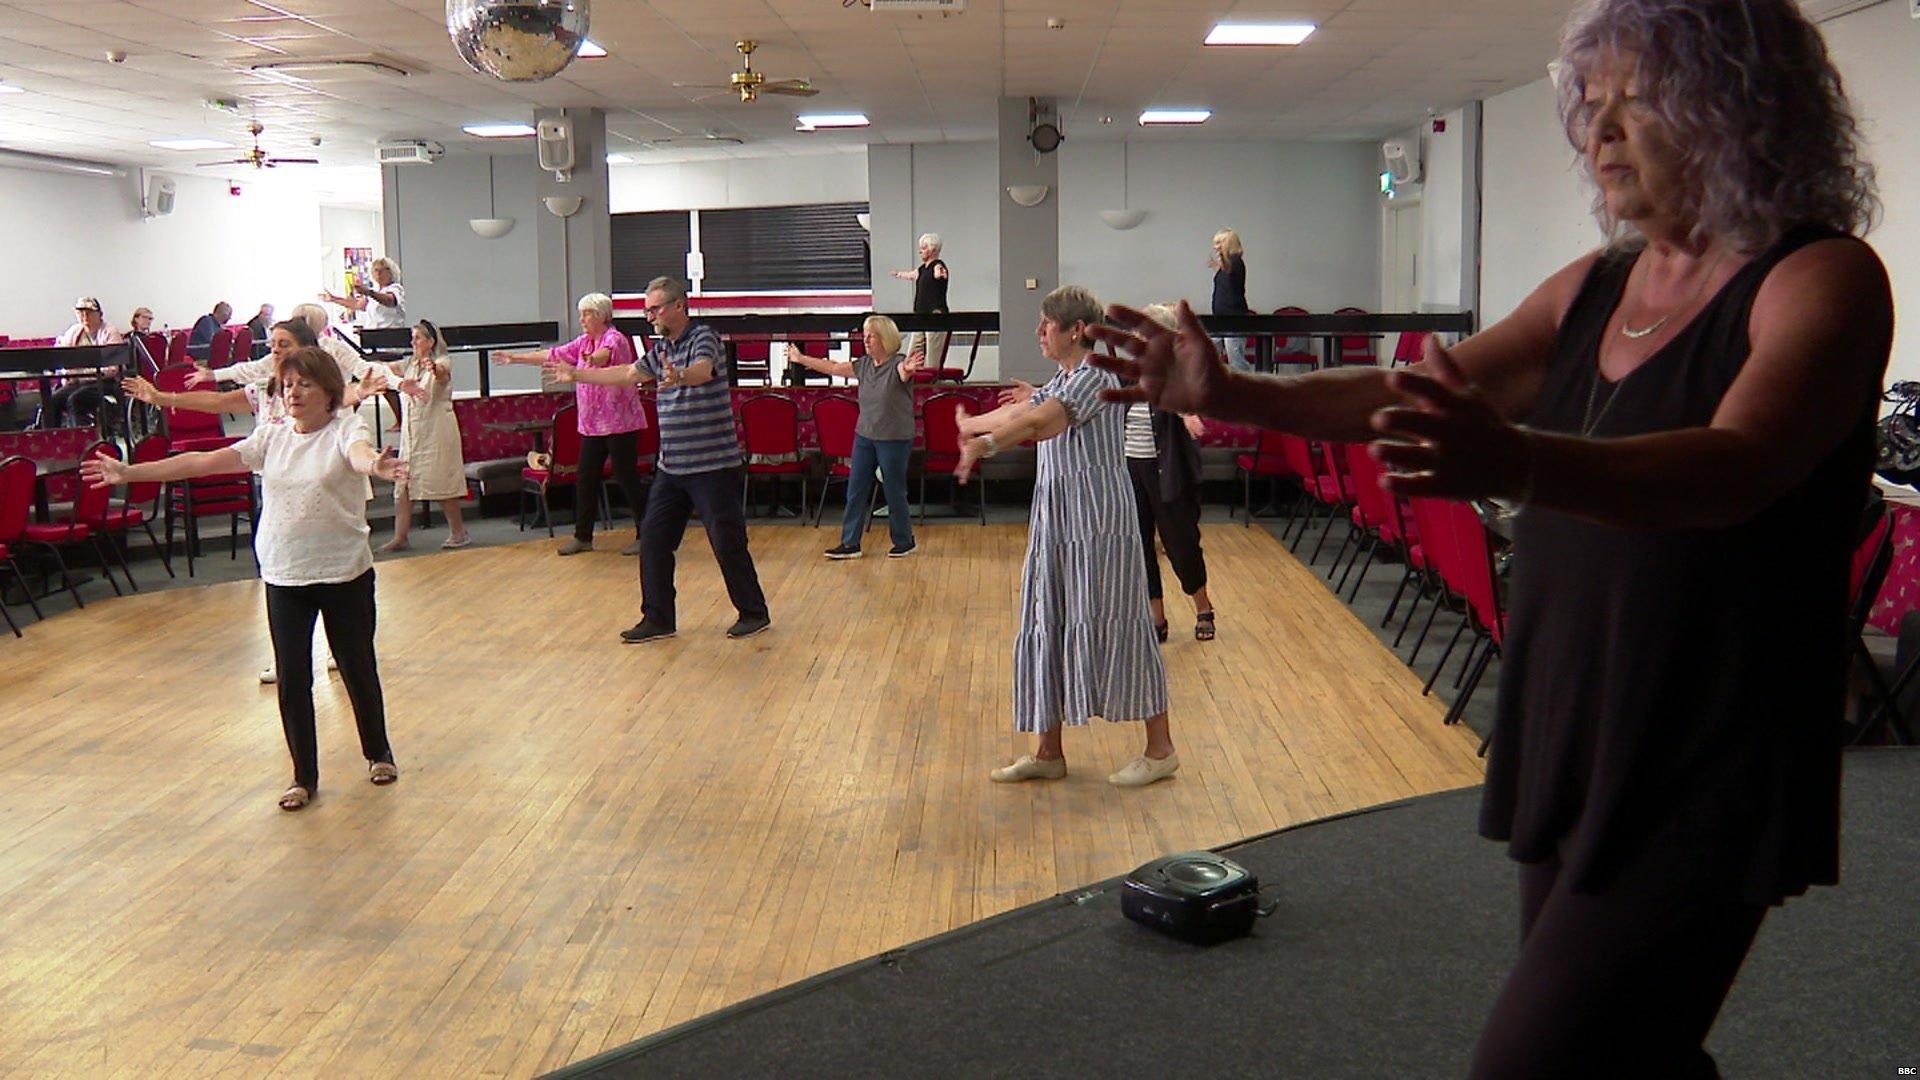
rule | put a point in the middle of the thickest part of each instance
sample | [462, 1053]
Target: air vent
[333, 68]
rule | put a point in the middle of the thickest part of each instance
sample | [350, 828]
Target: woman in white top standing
[312, 544]
[382, 306]
[431, 434]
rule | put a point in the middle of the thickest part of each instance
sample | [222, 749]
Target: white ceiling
[1374, 67]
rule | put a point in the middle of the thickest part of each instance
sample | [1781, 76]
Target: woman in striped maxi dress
[1086, 645]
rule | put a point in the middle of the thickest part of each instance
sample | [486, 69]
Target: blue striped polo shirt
[696, 422]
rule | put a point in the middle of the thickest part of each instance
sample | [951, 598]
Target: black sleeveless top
[1677, 694]
[929, 292]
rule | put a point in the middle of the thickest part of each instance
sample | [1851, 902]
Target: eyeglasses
[650, 311]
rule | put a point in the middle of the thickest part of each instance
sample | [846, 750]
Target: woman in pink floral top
[610, 417]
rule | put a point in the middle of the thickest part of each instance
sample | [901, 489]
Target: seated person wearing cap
[78, 399]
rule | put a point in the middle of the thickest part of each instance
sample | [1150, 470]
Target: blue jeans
[891, 456]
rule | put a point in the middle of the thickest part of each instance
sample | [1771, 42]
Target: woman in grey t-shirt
[884, 436]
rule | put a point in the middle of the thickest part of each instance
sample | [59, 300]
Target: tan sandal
[295, 798]
[382, 772]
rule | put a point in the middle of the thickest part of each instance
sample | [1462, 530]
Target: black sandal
[1160, 631]
[1203, 626]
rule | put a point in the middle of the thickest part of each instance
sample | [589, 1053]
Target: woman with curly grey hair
[1686, 417]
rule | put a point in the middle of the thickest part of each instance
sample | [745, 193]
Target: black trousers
[1623, 983]
[78, 400]
[348, 610]
[623, 448]
[1179, 526]
[716, 494]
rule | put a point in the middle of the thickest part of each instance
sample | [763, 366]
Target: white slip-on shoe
[1144, 770]
[1028, 767]
[269, 675]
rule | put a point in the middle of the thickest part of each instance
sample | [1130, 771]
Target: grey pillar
[1029, 245]
[576, 252]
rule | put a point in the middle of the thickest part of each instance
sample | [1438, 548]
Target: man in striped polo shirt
[698, 468]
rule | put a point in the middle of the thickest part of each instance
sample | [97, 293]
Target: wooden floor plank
[593, 841]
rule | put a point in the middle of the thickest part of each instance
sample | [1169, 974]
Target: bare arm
[537, 356]
[1036, 423]
[623, 375]
[985, 422]
[210, 401]
[386, 465]
[1821, 330]
[700, 371]
[103, 471]
[819, 364]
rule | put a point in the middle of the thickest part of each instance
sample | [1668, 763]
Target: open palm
[1179, 371]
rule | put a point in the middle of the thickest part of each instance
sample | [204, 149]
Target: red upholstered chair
[156, 346]
[943, 446]
[1356, 348]
[1267, 460]
[1410, 348]
[772, 426]
[1375, 518]
[228, 495]
[647, 448]
[16, 507]
[220, 351]
[835, 417]
[18, 532]
[1879, 707]
[141, 503]
[1297, 349]
[242, 343]
[176, 349]
[1474, 578]
[563, 469]
[94, 520]
[752, 361]
[188, 429]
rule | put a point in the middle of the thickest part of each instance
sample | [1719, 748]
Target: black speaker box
[1197, 896]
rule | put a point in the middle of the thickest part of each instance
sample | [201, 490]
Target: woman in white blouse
[312, 545]
[383, 304]
[431, 434]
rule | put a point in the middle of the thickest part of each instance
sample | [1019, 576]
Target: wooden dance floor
[592, 841]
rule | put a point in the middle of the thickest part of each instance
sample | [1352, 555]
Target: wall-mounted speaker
[1403, 160]
[159, 201]
[555, 141]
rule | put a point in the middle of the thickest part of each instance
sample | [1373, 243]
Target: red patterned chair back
[835, 417]
[186, 424]
[90, 504]
[220, 351]
[16, 497]
[772, 423]
[147, 492]
[943, 429]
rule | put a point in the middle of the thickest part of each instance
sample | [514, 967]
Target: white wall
[1537, 214]
[78, 235]
[730, 182]
[1308, 214]
[1878, 51]
[952, 189]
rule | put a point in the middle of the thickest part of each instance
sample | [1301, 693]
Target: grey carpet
[1394, 929]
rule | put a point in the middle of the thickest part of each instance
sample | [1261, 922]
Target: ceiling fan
[257, 157]
[750, 84]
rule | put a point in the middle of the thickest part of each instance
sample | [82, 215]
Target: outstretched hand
[1019, 393]
[389, 467]
[413, 388]
[971, 451]
[1446, 440]
[1179, 371]
[556, 372]
[103, 471]
[140, 389]
[202, 376]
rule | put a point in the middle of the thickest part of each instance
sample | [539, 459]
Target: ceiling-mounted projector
[409, 152]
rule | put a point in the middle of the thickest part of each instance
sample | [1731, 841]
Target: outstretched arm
[820, 364]
[1035, 423]
[104, 471]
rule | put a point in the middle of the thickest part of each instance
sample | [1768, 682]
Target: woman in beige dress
[431, 435]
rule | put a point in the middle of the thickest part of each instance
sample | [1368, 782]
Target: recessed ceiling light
[814, 121]
[619, 159]
[1259, 33]
[499, 131]
[1175, 116]
[190, 144]
[590, 51]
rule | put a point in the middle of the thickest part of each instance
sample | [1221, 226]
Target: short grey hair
[313, 315]
[669, 285]
[392, 267]
[932, 240]
[1070, 304]
[599, 303]
[1749, 96]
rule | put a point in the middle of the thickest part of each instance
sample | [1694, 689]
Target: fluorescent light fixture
[9, 88]
[1175, 116]
[190, 144]
[499, 131]
[815, 121]
[1259, 33]
[590, 51]
[619, 159]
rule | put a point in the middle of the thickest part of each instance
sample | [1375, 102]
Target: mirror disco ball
[517, 40]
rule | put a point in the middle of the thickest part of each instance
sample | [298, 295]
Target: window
[648, 245]
[785, 248]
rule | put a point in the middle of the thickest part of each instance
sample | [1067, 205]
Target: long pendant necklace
[1636, 335]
